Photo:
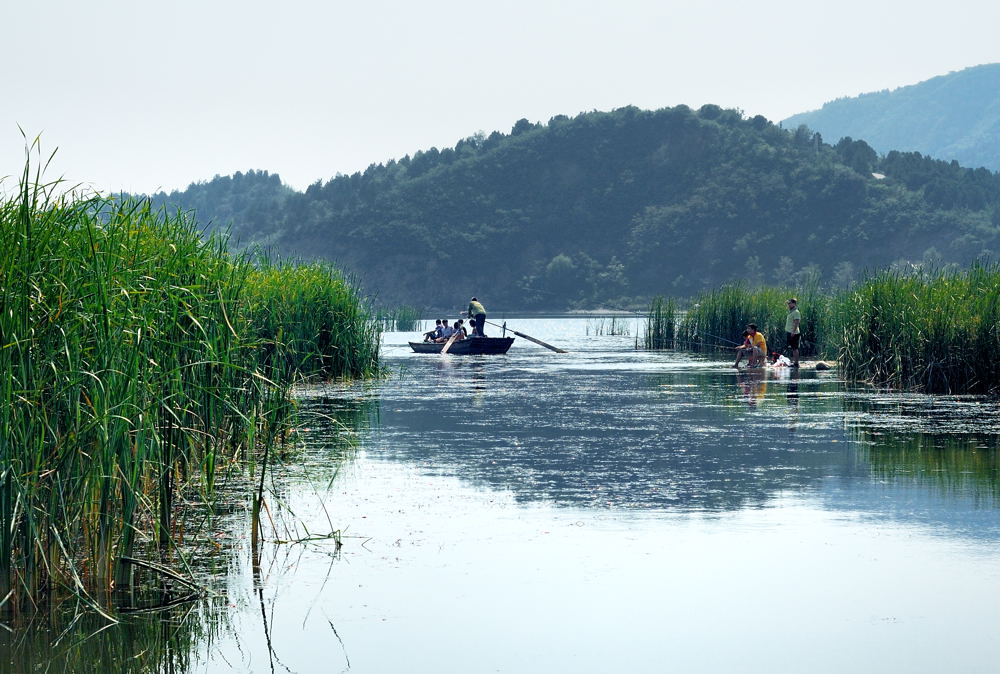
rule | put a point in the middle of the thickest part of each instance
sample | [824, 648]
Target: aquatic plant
[718, 318]
[611, 325]
[923, 330]
[661, 324]
[310, 321]
[139, 358]
[404, 318]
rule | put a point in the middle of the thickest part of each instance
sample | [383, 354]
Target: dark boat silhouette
[471, 346]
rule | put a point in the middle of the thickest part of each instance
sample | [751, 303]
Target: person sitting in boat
[435, 333]
[446, 331]
[460, 329]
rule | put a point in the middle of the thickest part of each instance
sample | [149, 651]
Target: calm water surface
[603, 510]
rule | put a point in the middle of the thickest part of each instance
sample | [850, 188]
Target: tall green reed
[310, 321]
[719, 317]
[923, 330]
[661, 324]
[140, 358]
[403, 318]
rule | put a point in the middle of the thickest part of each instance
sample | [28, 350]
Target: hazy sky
[142, 96]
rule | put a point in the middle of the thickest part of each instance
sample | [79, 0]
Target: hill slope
[608, 206]
[954, 116]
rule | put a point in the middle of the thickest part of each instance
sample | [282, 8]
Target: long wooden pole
[447, 345]
[530, 338]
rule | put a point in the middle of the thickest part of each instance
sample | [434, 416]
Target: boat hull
[473, 346]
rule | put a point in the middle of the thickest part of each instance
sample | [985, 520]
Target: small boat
[471, 346]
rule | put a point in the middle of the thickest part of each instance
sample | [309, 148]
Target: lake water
[604, 510]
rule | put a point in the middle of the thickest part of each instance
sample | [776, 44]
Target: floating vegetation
[661, 324]
[139, 359]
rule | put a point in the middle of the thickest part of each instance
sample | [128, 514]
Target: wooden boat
[471, 346]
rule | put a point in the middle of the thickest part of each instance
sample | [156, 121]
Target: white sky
[142, 96]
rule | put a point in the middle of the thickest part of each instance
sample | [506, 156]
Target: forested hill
[954, 116]
[248, 204]
[604, 207]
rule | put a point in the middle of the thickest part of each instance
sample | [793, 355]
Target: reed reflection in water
[614, 510]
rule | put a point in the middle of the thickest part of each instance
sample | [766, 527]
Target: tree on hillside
[607, 205]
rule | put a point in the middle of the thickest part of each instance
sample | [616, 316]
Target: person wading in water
[793, 329]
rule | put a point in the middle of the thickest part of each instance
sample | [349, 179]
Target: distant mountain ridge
[608, 207]
[951, 117]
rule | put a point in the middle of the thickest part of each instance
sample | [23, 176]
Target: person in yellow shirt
[477, 316]
[757, 350]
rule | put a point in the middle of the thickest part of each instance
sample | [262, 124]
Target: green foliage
[243, 204]
[719, 317]
[134, 354]
[926, 330]
[919, 329]
[403, 318]
[607, 206]
[310, 321]
[661, 324]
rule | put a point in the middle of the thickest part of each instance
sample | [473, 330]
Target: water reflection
[167, 641]
[495, 474]
[616, 429]
[685, 440]
[954, 465]
[162, 627]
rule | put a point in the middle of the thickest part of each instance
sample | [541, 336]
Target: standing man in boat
[477, 314]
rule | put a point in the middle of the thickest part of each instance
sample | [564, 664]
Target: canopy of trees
[607, 207]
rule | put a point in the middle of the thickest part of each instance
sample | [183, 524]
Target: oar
[529, 338]
[447, 345]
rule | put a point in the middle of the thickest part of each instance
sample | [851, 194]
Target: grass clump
[719, 317]
[310, 321]
[661, 324]
[139, 357]
[401, 319]
[616, 326]
[923, 330]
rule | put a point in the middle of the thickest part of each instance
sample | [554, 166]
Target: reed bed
[310, 321]
[401, 319]
[921, 330]
[929, 331]
[139, 359]
[661, 324]
[719, 317]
